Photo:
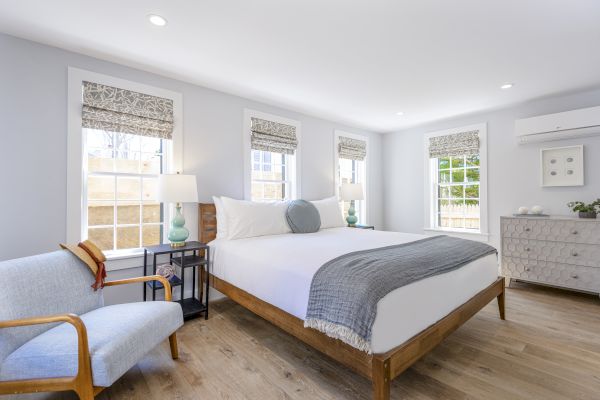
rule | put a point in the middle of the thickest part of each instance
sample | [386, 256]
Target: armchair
[45, 353]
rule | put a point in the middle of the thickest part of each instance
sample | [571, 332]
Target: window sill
[117, 260]
[480, 236]
[122, 255]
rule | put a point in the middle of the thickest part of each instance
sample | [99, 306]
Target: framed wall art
[562, 166]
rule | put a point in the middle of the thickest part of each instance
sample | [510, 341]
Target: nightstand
[364, 227]
[192, 255]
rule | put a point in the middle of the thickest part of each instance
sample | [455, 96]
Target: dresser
[557, 251]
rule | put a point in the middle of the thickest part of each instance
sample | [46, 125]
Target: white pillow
[221, 218]
[249, 218]
[330, 212]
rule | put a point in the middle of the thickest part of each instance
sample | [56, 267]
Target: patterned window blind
[273, 136]
[125, 111]
[458, 144]
[352, 149]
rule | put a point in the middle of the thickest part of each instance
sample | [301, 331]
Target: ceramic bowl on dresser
[556, 251]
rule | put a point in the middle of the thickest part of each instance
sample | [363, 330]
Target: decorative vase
[590, 214]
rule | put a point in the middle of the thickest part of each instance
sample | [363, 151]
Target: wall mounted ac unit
[559, 126]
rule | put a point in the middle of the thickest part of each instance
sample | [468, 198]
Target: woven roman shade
[352, 149]
[273, 136]
[457, 144]
[125, 111]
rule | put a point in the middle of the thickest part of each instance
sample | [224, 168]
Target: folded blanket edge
[336, 331]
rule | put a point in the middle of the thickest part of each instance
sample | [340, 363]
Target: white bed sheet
[279, 269]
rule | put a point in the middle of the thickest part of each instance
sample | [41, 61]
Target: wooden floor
[549, 348]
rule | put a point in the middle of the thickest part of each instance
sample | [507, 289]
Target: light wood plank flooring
[549, 348]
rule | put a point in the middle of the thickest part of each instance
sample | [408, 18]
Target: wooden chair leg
[381, 379]
[84, 387]
[85, 394]
[173, 344]
[501, 303]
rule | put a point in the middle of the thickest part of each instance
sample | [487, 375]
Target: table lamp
[351, 192]
[177, 188]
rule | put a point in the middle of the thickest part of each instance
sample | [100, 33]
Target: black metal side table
[364, 227]
[192, 255]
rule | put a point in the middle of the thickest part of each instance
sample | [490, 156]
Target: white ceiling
[357, 62]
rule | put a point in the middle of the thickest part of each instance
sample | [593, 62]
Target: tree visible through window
[121, 177]
[457, 194]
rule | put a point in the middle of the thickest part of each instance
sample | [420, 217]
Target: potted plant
[585, 210]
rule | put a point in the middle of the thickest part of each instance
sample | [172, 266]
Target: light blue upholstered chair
[56, 334]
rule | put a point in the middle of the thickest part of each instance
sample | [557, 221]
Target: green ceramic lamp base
[351, 219]
[178, 233]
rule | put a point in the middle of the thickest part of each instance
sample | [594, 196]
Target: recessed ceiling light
[400, 113]
[507, 86]
[157, 20]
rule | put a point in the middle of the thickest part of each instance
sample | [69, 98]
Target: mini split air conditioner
[559, 126]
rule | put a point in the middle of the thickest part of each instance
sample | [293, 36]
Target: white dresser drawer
[552, 273]
[560, 252]
[568, 230]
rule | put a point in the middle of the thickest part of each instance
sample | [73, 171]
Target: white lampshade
[351, 191]
[176, 188]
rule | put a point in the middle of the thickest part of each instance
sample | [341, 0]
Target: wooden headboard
[207, 222]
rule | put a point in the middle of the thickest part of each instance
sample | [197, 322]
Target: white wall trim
[336, 182]
[483, 180]
[247, 132]
[75, 146]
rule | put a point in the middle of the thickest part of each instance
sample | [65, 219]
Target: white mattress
[279, 269]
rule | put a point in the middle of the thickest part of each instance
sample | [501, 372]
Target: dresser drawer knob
[574, 232]
[574, 254]
[527, 229]
[574, 276]
[527, 269]
[527, 249]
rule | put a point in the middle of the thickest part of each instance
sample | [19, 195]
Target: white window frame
[363, 219]
[294, 167]
[76, 157]
[431, 180]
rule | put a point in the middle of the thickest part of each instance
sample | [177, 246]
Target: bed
[401, 335]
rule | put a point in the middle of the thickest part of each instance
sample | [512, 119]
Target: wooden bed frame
[379, 368]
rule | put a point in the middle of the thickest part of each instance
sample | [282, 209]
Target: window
[271, 157]
[121, 176]
[271, 176]
[351, 167]
[121, 136]
[456, 194]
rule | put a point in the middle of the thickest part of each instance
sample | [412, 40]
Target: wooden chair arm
[69, 318]
[84, 367]
[161, 279]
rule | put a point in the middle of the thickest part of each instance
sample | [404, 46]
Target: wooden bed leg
[381, 379]
[173, 344]
[501, 302]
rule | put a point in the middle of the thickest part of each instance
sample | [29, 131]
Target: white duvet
[279, 269]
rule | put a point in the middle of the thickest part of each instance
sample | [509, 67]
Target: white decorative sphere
[523, 210]
[537, 209]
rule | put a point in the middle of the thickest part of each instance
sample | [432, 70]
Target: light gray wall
[514, 170]
[33, 115]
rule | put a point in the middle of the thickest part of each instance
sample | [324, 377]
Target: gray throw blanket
[345, 291]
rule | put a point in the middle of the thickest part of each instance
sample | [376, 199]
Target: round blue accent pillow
[303, 217]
